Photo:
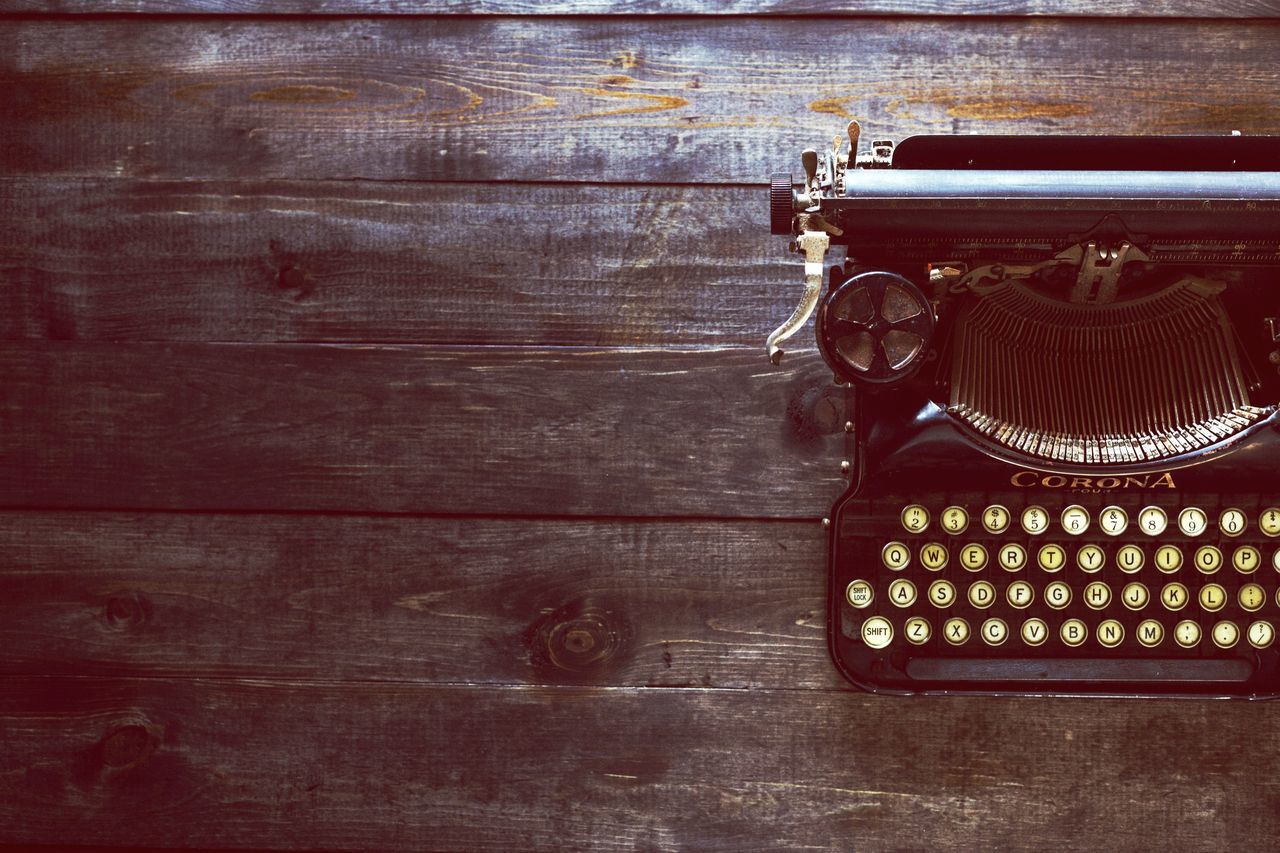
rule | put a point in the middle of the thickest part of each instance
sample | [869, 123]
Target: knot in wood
[126, 609]
[127, 746]
[577, 642]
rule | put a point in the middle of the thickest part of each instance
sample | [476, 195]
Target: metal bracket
[1099, 277]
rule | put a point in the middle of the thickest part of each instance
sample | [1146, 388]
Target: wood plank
[665, 100]
[713, 603]
[224, 764]
[393, 262]
[489, 430]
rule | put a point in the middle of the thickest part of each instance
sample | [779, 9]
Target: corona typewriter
[1061, 354]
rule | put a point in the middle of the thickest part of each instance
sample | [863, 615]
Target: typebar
[1077, 669]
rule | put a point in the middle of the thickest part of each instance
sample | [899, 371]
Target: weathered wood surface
[678, 100]
[217, 763]
[126, 260]
[621, 603]
[488, 430]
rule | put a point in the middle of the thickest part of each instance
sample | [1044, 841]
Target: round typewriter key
[1269, 521]
[1174, 596]
[1192, 521]
[954, 519]
[1168, 559]
[995, 519]
[1152, 521]
[933, 556]
[1110, 633]
[1020, 594]
[877, 632]
[956, 631]
[1052, 557]
[982, 595]
[915, 518]
[1149, 632]
[973, 556]
[1261, 634]
[1251, 597]
[994, 631]
[1012, 557]
[1113, 520]
[1035, 519]
[1057, 595]
[902, 592]
[1129, 558]
[1034, 631]
[859, 593]
[1208, 559]
[1225, 634]
[1090, 558]
[1246, 559]
[1212, 597]
[1275, 560]
[1187, 633]
[1135, 596]
[1074, 632]
[895, 556]
[942, 593]
[1232, 522]
[1097, 595]
[917, 630]
[1075, 519]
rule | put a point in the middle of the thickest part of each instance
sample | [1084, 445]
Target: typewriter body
[1062, 354]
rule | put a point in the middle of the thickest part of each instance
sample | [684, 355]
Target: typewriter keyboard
[991, 579]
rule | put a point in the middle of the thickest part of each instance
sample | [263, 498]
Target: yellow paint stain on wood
[303, 94]
[655, 103]
[1001, 110]
[834, 106]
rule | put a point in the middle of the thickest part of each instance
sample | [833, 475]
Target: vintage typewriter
[1062, 357]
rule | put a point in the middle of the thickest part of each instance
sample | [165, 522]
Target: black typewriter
[1062, 354]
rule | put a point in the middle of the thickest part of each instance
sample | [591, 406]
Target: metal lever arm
[814, 245]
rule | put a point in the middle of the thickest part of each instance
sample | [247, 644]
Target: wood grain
[104, 260]
[305, 765]
[726, 604]
[709, 432]
[666, 100]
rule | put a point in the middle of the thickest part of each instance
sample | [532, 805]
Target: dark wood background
[388, 457]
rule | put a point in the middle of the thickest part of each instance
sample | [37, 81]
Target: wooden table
[388, 457]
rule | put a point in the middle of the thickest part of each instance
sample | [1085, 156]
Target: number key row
[1075, 520]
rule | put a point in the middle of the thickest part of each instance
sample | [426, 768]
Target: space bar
[1077, 669]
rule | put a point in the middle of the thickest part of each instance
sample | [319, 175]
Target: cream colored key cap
[915, 518]
[1035, 520]
[1212, 597]
[955, 520]
[1075, 519]
[877, 632]
[1225, 634]
[1057, 595]
[982, 594]
[1208, 559]
[1261, 634]
[1187, 633]
[1246, 559]
[1020, 594]
[1012, 557]
[902, 592]
[917, 630]
[1174, 596]
[1269, 521]
[1097, 595]
[942, 593]
[1135, 596]
[1073, 632]
[1251, 597]
[859, 593]
[994, 631]
[973, 556]
[1152, 521]
[956, 631]
[1129, 558]
[934, 556]
[1090, 558]
[1232, 522]
[1149, 632]
[1110, 633]
[1275, 560]
[1192, 521]
[995, 519]
[1051, 557]
[1168, 558]
[1034, 631]
[1113, 520]
[895, 556]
